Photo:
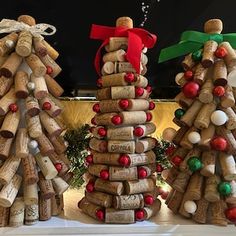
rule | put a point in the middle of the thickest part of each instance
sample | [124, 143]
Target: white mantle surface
[73, 222]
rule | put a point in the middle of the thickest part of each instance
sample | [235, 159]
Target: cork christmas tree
[122, 184]
[34, 170]
[203, 176]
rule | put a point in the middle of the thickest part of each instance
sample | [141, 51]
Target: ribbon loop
[216, 37]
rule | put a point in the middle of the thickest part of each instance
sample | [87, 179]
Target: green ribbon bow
[192, 41]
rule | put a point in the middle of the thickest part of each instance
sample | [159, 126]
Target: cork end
[29, 20]
[124, 21]
[213, 26]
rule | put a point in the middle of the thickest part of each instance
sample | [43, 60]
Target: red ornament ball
[170, 150]
[149, 116]
[124, 160]
[102, 132]
[116, 120]
[139, 91]
[100, 215]
[219, 91]
[159, 168]
[221, 52]
[99, 82]
[164, 194]
[176, 160]
[13, 107]
[89, 159]
[49, 70]
[149, 89]
[93, 121]
[104, 174]
[46, 106]
[219, 143]
[188, 75]
[148, 199]
[124, 103]
[138, 131]
[191, 89]
[151, 105]
[129, 77]
[230, 214]
[90, 187]
[58, 166]
[96, 107]
[160, 190]
[142, 173]
[139, 215]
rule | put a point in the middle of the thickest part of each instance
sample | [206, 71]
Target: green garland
[77, 150]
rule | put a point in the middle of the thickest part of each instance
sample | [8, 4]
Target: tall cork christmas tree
[203, 176]
[33, 165]
[122, 184]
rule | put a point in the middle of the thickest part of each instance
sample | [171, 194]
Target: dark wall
[166, 18]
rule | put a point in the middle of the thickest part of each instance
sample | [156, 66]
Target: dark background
[73, 19]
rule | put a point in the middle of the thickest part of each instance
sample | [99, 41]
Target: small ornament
[99, 82]
[139, 215]
[194, 164]
[129, 77]
[149, 89]
[100, 215]
[124, 104]
[179, 113]
[124, 160]
[149, 116]
[148, 199]
[49, 70]
[104, 174]
[219, 143]
[116, 120]
[224, 188]
[89, 159]
[219, 117]
[168, 134]
[231, 78]
[33, 144]
[96, 107]
[138, 131]
[142, 173]
[31, 86]
[230, 214]
[90, 187]
[219, 91]
[151, 105]
[159, 168]
[188, 75]
[9, 43]
[164, 194]
[190, 207]
[13, 107]
[93, 121]
[58, 166]
[176, 160]
[139, 91]
[47, 106]
[191, 89]
[102, 132]
[194, 137]
[170, 150]
[164, 174]
[197, 56]
[221, 52]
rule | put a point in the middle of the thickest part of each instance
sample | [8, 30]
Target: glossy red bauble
[49, 70]
[142, 173]
[96, 107]
[219, 91]
[219, 143]
[191, 89]
[90, 187]
[99, 82]
[148, 116]
[124, 103]
[164, 194]
[138, 131]
[102, 132]
[139, 215]
[149, 89]
[221, 52]
[116, 120]
[188, 75]
[230, 214]
[176, 160]
[129, 77]
[58, 166]
[93, 121]
[46, 106]
[170, 150]
[159, 168]
[89, 159]
[13, 107]
[104, 174]
[148, 199]
[139, 91]
[100, 214]
[151, 105]
[124, 160]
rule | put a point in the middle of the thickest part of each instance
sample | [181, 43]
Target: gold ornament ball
[168, 134]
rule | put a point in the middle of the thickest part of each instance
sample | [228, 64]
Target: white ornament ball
[190, 207]
[194, 137]
[218, 117]
[231, 78]
[33, 144]
[31, 86]
[178, 77]
[168, 134]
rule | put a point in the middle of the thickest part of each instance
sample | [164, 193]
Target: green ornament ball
[224, 188]
[197, 56]
[179, 113]
[194, 163]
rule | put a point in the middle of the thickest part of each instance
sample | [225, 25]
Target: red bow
[137, 39]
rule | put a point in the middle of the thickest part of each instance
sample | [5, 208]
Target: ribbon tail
[101, 32]
[178, 50]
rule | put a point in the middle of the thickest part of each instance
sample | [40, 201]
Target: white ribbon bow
[8, 26]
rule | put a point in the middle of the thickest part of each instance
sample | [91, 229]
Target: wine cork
[106, 158]
[118, 146]
[152, 210]
[183, 101]
[188, 62]
[5, 85]
[114, 80]
[181, 182]
[213, 26]
[57, 204]
[231, 199]
[58, 144]
[120, 133]
[31, 214]
[133, 117]
[228, 99]
[116, 43]
[45, 146]
[16, 218]
[52, 52]
[217, 212]
[30, 194]
[109, 106]
[9, 191]
[108, 68]
[145, 144]
[175, 201]
[209, 162]
[139, 186]
[195, 186]
[205, 95]
[120, 67]
[211, 193]
[39, 47]
[208, 53]
[181, 152]
[54, 88]
[200, 74]
[230, 57]
[118, 55]
[48, 169]
[30, 172]
[138, 105]
[120, 92]
[117, 173]
[22, 140]
[103, 94]
[32, 106]
[119, 216]
[185, 143]
[6, 48]
[55, 110]
[5, 147]
[220, 73]
[99, 198]
[46, 187]
[172, 175]
[36, 65]
[59, 185]
[190, 115]
[203, 118]
[115, 188]
[49, 62]
[96, 169]
[45, 209]
[125, 202]
[124, 21]
[21, 79]
[228, 166]
[231, 122]
[50, 124]
[88, 207]
[182, 210]
[105, 119]
[206, 136]
[140, 81]
[24, 44]
[8, 169]
[179, 135]
[4, 216]
[41, 89]
[7, 100]
[27, 19]
[34, 126]
[200, 215]
[10, 66]
[98, 145]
